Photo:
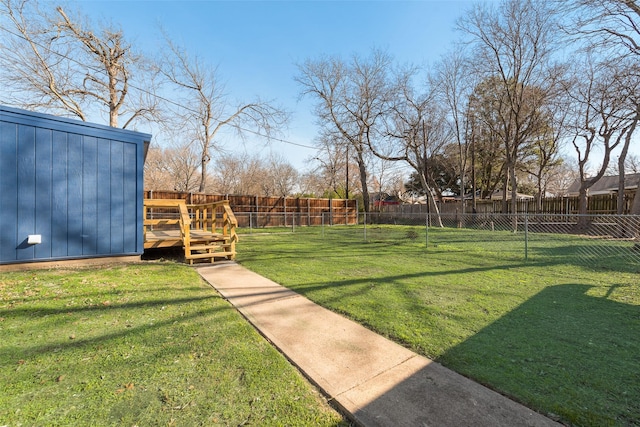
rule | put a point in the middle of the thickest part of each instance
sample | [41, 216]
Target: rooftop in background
[606, 185]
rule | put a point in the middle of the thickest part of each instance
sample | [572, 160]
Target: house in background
[384, 199]
[606, 185]
[68, 189]
[498, 195]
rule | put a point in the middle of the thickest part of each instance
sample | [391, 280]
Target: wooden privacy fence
[260, 211]
[596, 205]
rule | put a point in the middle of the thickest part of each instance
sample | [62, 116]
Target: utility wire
[133, 86]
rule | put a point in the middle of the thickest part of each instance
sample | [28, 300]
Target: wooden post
[330, 211]
[257, 208]
[346, 211]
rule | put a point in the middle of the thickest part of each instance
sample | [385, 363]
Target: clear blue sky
[257, 44]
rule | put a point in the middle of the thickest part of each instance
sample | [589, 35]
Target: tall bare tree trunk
[635, 207]
[635, 210]
[514, 198]
[621, 165]
[363, 182]
[583, 200]
[505, 186]
[431, 198]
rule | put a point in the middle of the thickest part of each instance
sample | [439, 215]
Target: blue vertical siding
[89, 196]
[59, 195]
[116, 181]
[26, 190]
[8, 190]
[43, 193]
[77, 185]
[74, 195]
[129, 191]
[103, 191]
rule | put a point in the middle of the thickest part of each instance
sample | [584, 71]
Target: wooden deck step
[209, 239]
[211, 255]
[208, 247]
[192, 227]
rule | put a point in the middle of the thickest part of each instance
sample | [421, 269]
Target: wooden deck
[171, 238]
[206, 232]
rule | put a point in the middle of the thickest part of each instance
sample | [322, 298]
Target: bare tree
[628, 82]
[253, 174]
[61, 64]
[156, 172]
[239, 174]
[351, 99]
[606, 23]
[600, 120]
[453, 84]
[632, 164]
[312, 184]
[488, 157]
[335, 166]
[183, 163]
[542, 154]
[513, 44]
[227, 177]
[613, 28]
[416, 130]
[204, 108]
[171, 168]
[387, 178]
[280, 177]
[559, 177]
[329, 170]
[539, 160]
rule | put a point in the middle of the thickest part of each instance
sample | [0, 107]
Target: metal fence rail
[603, 241]
[607, 241]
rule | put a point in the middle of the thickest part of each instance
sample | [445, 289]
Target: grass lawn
[552, 332]
[145, 344]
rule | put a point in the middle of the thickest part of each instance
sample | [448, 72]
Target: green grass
[552, 332]
[144, 345]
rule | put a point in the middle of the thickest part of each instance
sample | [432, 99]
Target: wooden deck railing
[204, 235]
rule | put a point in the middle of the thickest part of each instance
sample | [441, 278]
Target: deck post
[200, 242]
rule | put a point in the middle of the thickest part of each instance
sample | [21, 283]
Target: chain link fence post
[426, 223]
[526, 237]
[365, 225]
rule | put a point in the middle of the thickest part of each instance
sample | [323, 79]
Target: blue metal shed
[68, 189]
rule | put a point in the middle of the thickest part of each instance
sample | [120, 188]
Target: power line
[169, 101]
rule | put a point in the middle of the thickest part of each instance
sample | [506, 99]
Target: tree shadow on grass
[594, 254]
[564, 352]
[66, 315]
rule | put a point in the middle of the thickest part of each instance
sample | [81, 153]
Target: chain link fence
[606, 241]
[603, 240]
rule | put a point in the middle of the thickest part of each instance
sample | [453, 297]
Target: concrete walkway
[377, 382]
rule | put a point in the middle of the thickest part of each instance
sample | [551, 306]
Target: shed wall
[77, 185]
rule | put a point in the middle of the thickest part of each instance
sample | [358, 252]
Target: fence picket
[263, 211]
